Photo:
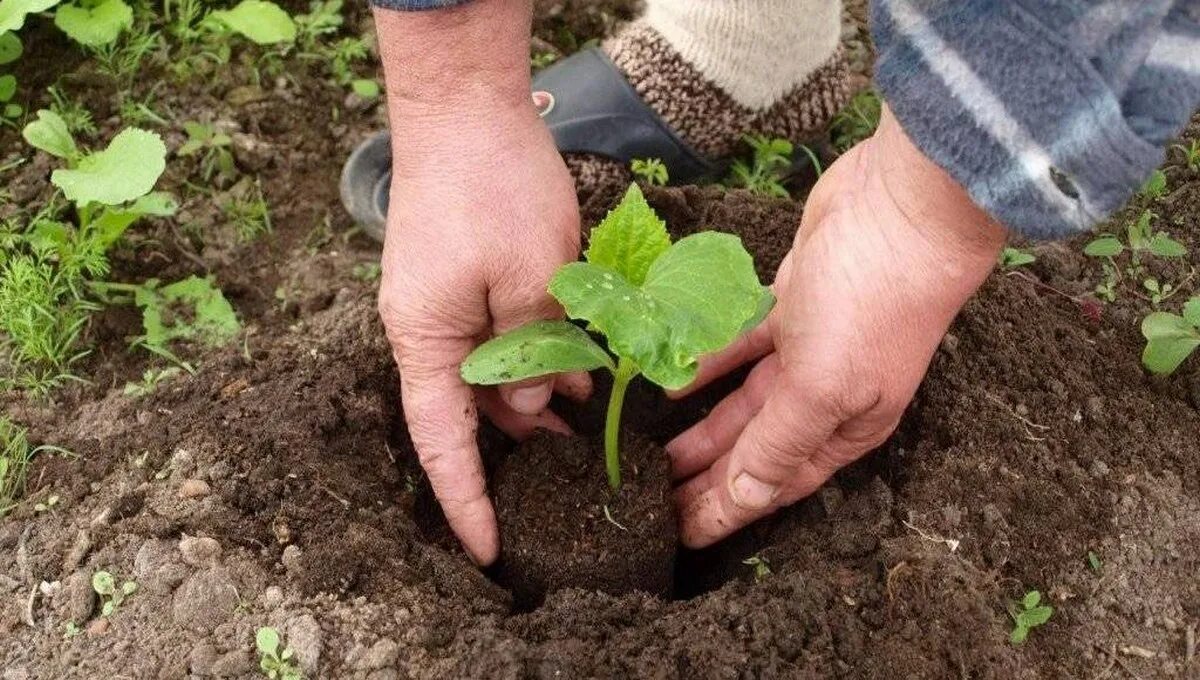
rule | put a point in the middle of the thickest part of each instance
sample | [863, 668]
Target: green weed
[248, 212]
[78, 119]
[151, 379]
[15, 455]
[1028, 614]
[652, 171]
[1141, 241]
[770, 160]
[857, 121]
[111, 596]
[275, 660]
[1191, 154]
[1171, 338]
[1011, 258]
[762, 568]
[212, 149]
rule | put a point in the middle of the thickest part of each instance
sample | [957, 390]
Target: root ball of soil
[561, 526]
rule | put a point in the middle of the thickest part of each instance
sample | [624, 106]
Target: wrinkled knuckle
[779, 452]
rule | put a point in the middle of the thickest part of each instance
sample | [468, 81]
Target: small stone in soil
[200, 551]
[98, 627]
[194, 488]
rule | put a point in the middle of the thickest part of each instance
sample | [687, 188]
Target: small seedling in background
[1011, 258]
[771, 159]
[44, 284]
[212, 148]
[78, 119]
[367, 271]
[151, 379]
[275, 660]
[191, 310]
[111, 596]
[11, 49]
[1159, 292]
[15, 454]
[1141, 241]
[652, 171]
[540, 60]
[660, 305]
[1093, 561]
[70, 630]
[1156, 185]
[1028, 614]
[762, 568]
[248, 212]
[48, 505]
[857, 121]
[1171, 338]
[1191, 154]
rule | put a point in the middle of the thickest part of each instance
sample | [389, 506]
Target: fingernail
[751, 493]
[530, 400]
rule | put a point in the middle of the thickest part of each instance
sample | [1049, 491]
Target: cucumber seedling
[661, 305]
[1028, 614]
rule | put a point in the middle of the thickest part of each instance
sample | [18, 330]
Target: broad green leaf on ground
[1191, 311]
[126, 170]
[533, 350]
[1165, 246]
[50, 134]
[1169, 340]
[8, 87]
[192, 309]
[696, 299]
[94, 26]
[267, 640]
[262, 22]
[1105, 246]
[113, 222]
[365, 88]
[10, 48]
[13, 12]
[629, 239]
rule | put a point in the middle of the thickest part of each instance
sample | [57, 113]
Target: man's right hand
[483, 211]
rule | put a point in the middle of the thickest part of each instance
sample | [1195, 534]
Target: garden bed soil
[564, 527]
[278, 485]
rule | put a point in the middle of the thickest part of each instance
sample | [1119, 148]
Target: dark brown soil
[1035, 439]
[562, 526]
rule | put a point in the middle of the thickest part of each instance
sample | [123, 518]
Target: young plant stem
[626, 372]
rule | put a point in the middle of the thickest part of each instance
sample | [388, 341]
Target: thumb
[777, 459]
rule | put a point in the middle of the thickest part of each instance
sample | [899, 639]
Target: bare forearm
[460, 66]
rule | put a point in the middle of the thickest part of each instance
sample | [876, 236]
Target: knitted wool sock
[715, 70]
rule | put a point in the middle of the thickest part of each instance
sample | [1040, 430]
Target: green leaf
[365, 88]
[1105, 246]
[766, 302]
[128, 588]
[51, 134]
[96, 25]
[113, 221]
[629, 239]
[1014, 257]
[1031, 599]
[533, 350]
[262, 22]
[1170, 340]
[1191, 312]
[13, 111]
[266, 640]
[1019, 634]
[1035, 616]
[10, 48]
[210, 318]
[126, 170]
[1156, 184]
[8, 87]
[696, 299]
[102, 583]
[13, 12]
[1165, 246]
